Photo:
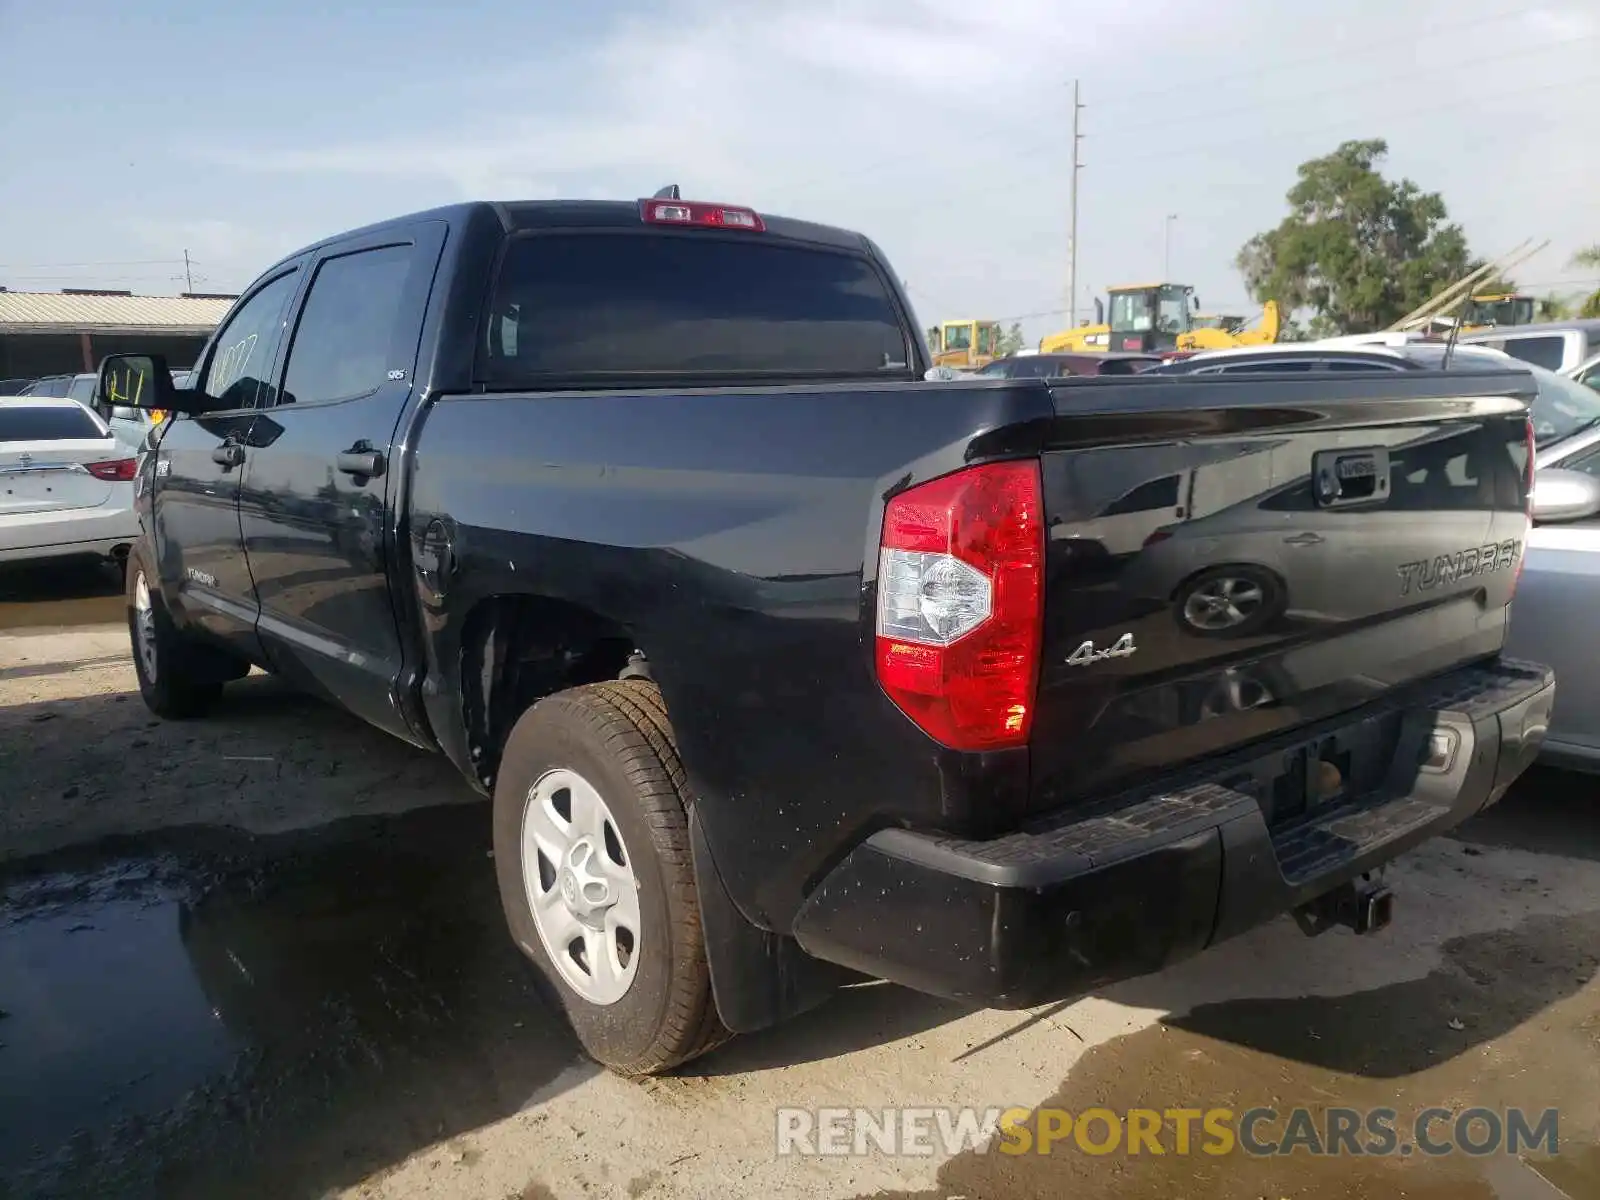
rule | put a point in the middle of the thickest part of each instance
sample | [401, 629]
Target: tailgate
[1230, 558]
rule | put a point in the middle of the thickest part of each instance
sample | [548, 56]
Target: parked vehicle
[1554, 345]
[128, 425]
[14, 387]
[66, 485]
[1588, 372]
[1054, 366]
[785, 666]
[1560, 589]
[48, 387]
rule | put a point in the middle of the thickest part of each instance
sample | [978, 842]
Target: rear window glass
[1544, 352]
[613, 307]
[20, 423]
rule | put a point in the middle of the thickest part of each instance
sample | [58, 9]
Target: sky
[130, 134]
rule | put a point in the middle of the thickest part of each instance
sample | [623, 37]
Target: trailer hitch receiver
[1362, 906]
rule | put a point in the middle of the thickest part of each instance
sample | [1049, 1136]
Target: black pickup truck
[786, 664]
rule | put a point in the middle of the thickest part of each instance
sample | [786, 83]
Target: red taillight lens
[695, 212]
[960, 604]
[119, 470]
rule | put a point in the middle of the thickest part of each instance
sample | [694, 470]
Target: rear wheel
[592, 855]
[178, 678]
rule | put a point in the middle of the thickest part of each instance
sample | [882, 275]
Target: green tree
[1011, 340]
[1356, 249]
[1552, 307]
[1589, 258]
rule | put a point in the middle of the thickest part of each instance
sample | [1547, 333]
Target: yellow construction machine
[964, 344]
[1500, 308]
[1483, 309]
[1160, 316]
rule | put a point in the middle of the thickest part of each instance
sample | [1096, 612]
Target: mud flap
[758, 978]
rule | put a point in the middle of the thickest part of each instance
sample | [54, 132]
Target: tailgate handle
[229, 454]
[1341, 478]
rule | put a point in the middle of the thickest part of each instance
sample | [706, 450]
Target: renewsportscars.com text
[1177, 1131]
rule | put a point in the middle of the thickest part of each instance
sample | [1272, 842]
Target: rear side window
[614, 307]
[20, 423]
[342, 344]
[82, 389]
[1546, 352]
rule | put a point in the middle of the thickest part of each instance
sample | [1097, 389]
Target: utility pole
[188, 276]
[1072, 231]
[1166, 247]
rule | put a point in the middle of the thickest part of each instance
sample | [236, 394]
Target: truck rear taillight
[960, 604]
[117, 470]
[695, 212]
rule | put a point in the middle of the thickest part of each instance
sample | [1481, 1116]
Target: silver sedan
[1556, 615]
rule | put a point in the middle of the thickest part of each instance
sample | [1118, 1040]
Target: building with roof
[59, 333]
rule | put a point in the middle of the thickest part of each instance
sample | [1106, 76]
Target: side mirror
[1560, 496]
[1099, 311]
[139, 381]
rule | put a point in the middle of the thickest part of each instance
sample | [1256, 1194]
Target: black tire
[1270, 606]
[186, 678]
[617, 737]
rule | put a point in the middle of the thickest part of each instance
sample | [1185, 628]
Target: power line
[128, 262]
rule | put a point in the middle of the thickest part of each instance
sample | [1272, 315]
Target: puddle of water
[58, 595]
[104, 1018]
[260, 1017]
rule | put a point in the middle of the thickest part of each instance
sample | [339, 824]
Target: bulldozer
[1160, 316]
[964, 345]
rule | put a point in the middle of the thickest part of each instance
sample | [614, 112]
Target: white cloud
[940, 128]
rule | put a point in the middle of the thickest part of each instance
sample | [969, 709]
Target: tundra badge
[1086, 653]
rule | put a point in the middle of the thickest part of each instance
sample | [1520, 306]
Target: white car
[66, 484]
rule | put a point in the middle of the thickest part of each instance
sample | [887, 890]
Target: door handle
[1303, 539]
[360, 462]
[230, 454]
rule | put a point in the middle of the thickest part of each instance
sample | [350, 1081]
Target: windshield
[1511, 310]
[1130, 312]
[958, 337]
[1172, 314]
[1562, 408]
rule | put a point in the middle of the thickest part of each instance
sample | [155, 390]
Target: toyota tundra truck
[787, 662]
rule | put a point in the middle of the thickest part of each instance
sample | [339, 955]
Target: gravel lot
[261, 955]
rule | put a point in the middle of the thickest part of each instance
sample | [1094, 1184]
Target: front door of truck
[322, 478]
[199, 464]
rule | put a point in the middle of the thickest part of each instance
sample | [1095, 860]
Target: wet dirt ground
[262, 955]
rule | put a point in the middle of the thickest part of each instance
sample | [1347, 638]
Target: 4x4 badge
[1086, 653]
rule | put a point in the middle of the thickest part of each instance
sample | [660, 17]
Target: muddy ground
[261, 955]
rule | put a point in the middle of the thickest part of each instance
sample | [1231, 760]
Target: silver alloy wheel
[144, 626]
[1223, 603]
[581, 886]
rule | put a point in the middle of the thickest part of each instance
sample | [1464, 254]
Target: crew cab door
[200, 462]
[321, 478]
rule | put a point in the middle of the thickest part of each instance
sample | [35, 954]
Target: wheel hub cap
[580, 886]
